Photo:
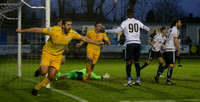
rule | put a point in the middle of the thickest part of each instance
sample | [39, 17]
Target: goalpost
[12, 5]
[47, 24]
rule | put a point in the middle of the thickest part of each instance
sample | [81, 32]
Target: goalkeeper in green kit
[78, 74]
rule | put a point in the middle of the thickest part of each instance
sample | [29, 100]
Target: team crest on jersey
[40, 63]
[100, 36]
[68, 38]
[49, 28]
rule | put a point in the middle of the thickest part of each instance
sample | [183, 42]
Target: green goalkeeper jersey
[76, 74]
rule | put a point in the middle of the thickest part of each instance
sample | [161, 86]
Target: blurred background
[84, 13]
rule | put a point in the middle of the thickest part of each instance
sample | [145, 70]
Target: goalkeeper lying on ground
[78, 74]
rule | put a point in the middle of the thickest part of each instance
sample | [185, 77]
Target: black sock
[137, 66]
[178, 57]
[159, 67]
[144, 65]
[161, 70]
[128, 70]
[169, 73]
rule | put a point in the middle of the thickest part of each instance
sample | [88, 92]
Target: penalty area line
[59, 91]
[56, 90]
[70, 95]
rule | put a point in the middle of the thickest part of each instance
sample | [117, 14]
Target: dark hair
[174, 21]
[97, 23]
[66, 20]
[162, 28]
[58, 20]
[130, 12]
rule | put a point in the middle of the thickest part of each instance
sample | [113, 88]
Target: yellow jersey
[96, 37]
[56, 28]
[58, 41]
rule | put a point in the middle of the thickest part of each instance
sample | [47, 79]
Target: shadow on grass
[189, 80]
[108, 88]
[160, 94]
[188, 87]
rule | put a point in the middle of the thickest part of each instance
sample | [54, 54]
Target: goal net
[31, 46]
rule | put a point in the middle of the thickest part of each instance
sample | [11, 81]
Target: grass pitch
[187, 79]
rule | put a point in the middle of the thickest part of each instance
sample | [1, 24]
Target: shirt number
[133, 28]
[168, 34]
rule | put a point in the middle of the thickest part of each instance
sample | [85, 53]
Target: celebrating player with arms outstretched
[53, 49]
[93, 51]
[171, 45]
[131, 29]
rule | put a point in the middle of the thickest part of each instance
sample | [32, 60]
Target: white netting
[31, 49]
[11, 5]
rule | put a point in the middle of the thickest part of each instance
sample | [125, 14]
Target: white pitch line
[59, 91]
[179, 100]
[70, 95]
[56, 90]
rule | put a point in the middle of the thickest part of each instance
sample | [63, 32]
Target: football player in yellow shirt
[53, 49]
[93, 51]
[58, 27]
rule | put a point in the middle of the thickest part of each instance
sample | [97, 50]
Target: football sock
[159, 67]
[89, 69]
[85, 79]
[42, 84]
[138, 80]
[129, 80]
[178, 57]
[144, 65]
[137, 66]
[161, 70]
[128, 70]
[169, 73]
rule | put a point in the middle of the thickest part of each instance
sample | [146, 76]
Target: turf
[18, 89]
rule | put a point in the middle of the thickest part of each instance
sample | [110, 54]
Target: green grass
[187, 79]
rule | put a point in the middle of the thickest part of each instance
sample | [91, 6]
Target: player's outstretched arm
[146, 28]
[107, 42]
[93, 75]
[152, 44]
[117, 30]
[30, 30]
[79, 44]
[106, 76]
[88, 40]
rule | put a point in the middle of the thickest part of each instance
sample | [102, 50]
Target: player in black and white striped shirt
[131, 29]
[155, 51]
[171, 45]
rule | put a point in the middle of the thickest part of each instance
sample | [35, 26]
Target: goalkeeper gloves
[106, 76]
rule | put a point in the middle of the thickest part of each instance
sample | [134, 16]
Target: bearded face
[67, 27]
[179, 23]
